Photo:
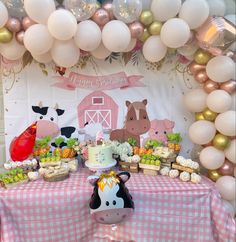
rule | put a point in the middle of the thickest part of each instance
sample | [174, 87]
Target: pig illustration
[159, 129]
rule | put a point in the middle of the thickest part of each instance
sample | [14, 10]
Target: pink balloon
[136, 29]
[20, 37]
[27, 22]
[227, 169]
[108, 7]
[14, 25]
[101, 17]
[201, 76]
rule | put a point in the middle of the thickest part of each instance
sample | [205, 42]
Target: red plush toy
[22, 146]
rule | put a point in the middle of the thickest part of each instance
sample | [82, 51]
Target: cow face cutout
[47, 118]
[111, 202]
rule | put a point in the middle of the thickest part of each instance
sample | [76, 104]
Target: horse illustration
[136, 123]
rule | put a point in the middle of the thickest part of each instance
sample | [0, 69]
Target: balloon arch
[60, 31]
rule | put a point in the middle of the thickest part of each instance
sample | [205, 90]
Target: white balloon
[211, 158]
[229, 207]
[227, 187]
[195, 100]
[101, 52]
[194, 12]
[153, 49]
[165, 9]
[88, 35]
[175, 33]
[231, 18]
[221, 69]
[12, 50]
[62, 24]
[202, 132]
[44, 58]
[131, 45]
[219, 101]
[225, 123]
[39, 11]
[230, 152]
[65, 53]
[3, 14]
[230, 6]
[188, 49]
[37, 39]
[216, 7]
[116, 36]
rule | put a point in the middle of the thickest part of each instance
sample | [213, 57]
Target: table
[166, 210]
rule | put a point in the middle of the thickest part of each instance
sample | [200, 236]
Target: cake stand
[100, 169]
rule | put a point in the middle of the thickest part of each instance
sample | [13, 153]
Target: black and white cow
[111, 202]
[47, 122]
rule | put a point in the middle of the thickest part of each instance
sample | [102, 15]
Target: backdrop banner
[95, 92]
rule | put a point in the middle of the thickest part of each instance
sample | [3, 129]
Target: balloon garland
[61, 32]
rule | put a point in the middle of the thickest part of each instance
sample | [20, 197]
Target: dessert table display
[124, 68]
[165, 210]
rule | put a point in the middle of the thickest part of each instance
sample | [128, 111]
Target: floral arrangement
[82, 149]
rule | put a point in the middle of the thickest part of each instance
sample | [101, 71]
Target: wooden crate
[131, 167]
[166, 162]
[149, 169]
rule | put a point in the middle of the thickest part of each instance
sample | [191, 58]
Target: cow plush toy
[111, 202]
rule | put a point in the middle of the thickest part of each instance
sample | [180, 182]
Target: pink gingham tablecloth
[166, 210]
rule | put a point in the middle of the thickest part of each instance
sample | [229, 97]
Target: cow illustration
[47, 122]
[111, 202]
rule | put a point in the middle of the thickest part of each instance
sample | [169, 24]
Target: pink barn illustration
[98, 107]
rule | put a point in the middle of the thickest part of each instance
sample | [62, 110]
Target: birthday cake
[100, 155]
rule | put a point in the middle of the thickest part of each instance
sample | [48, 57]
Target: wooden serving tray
[51, 163]
[56, 178]
[14, 184]
[182, 168]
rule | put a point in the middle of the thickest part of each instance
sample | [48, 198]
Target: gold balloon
[201, 57]
[146, 17]
[213, 175]
[221, 141]
[155, 28]
[5, 35]
[199, 116]
[145, 35]
[209, 115]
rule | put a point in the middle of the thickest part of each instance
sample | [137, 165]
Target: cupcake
[195, 178]
[165, 171]
[173, 173]
[184, 176]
